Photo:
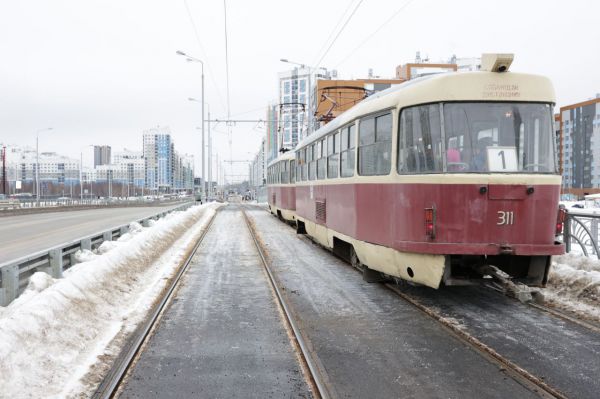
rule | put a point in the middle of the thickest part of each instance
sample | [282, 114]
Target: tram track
[572, 318]
[567, 316]
[314, 373]
[523, 376]
[510, 368]
[109, 387]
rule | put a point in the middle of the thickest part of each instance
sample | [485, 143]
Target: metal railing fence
[580, 233]
[14, 274]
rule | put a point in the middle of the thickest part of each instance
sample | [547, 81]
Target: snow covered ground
[574, 285]
[60, 336]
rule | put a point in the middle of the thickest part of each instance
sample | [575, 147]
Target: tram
[434, 180]
[281, 190]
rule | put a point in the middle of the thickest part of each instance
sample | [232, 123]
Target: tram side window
[375, 145]
[298, 169]
[322, 161]
[304, 166]
[285, 175]
[312, 164]
[420, 142]
[333, 150]
[279, 177]
[347, 156]
[292, 171]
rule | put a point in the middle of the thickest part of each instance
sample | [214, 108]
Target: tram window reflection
[333, 149]
[487, 132]
[419, 145]
[292, 171]
[347, 155]
[375, 145]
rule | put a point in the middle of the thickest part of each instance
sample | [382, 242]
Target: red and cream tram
[434, 179]
[281, 189]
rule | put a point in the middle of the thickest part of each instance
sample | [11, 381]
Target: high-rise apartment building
[128, 169]
[295, 120]
[272, 136]
[579, 147]
[158, 158]
[102, 155]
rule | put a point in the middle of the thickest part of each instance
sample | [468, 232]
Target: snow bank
[60, 336]
[574, 285]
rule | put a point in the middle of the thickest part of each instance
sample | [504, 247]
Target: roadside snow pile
[61, 335]
[574, 284]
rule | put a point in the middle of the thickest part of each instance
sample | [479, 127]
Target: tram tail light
[560, 221]
[430, 222]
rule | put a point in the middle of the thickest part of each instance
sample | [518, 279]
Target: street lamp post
[192, 59]
[209, 188]
[37, 162]
[209, 156]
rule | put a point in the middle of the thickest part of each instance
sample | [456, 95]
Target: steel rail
[516, 371]
[111, 383]
[564, 315]
[320, 389]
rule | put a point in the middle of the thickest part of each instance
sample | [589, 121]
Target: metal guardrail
[581, 233]
[14, 274]
[28, 203]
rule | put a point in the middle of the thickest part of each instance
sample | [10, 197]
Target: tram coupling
[503, 281]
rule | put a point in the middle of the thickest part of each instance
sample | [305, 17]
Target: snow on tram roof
[444, 87]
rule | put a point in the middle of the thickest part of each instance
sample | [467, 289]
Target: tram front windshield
[478, 138]
[499, 137]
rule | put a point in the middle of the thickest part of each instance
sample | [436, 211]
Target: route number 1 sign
[502, 159]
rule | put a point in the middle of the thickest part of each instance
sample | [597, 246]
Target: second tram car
[281, 192]
[436, 179]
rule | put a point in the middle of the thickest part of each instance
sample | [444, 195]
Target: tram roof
[291, 154]
[446, 87]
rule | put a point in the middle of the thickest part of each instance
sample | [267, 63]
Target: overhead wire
[204, 54]
[227, 79]
[339, 33]
[394, 15]
[226, 58]
[333, 31]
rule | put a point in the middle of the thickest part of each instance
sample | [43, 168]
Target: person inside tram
[479, 160]
[453, 155]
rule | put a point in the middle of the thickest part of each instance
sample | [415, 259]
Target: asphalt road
[222, 336]
[25, 234]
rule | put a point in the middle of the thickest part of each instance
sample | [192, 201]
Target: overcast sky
[102, 71]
